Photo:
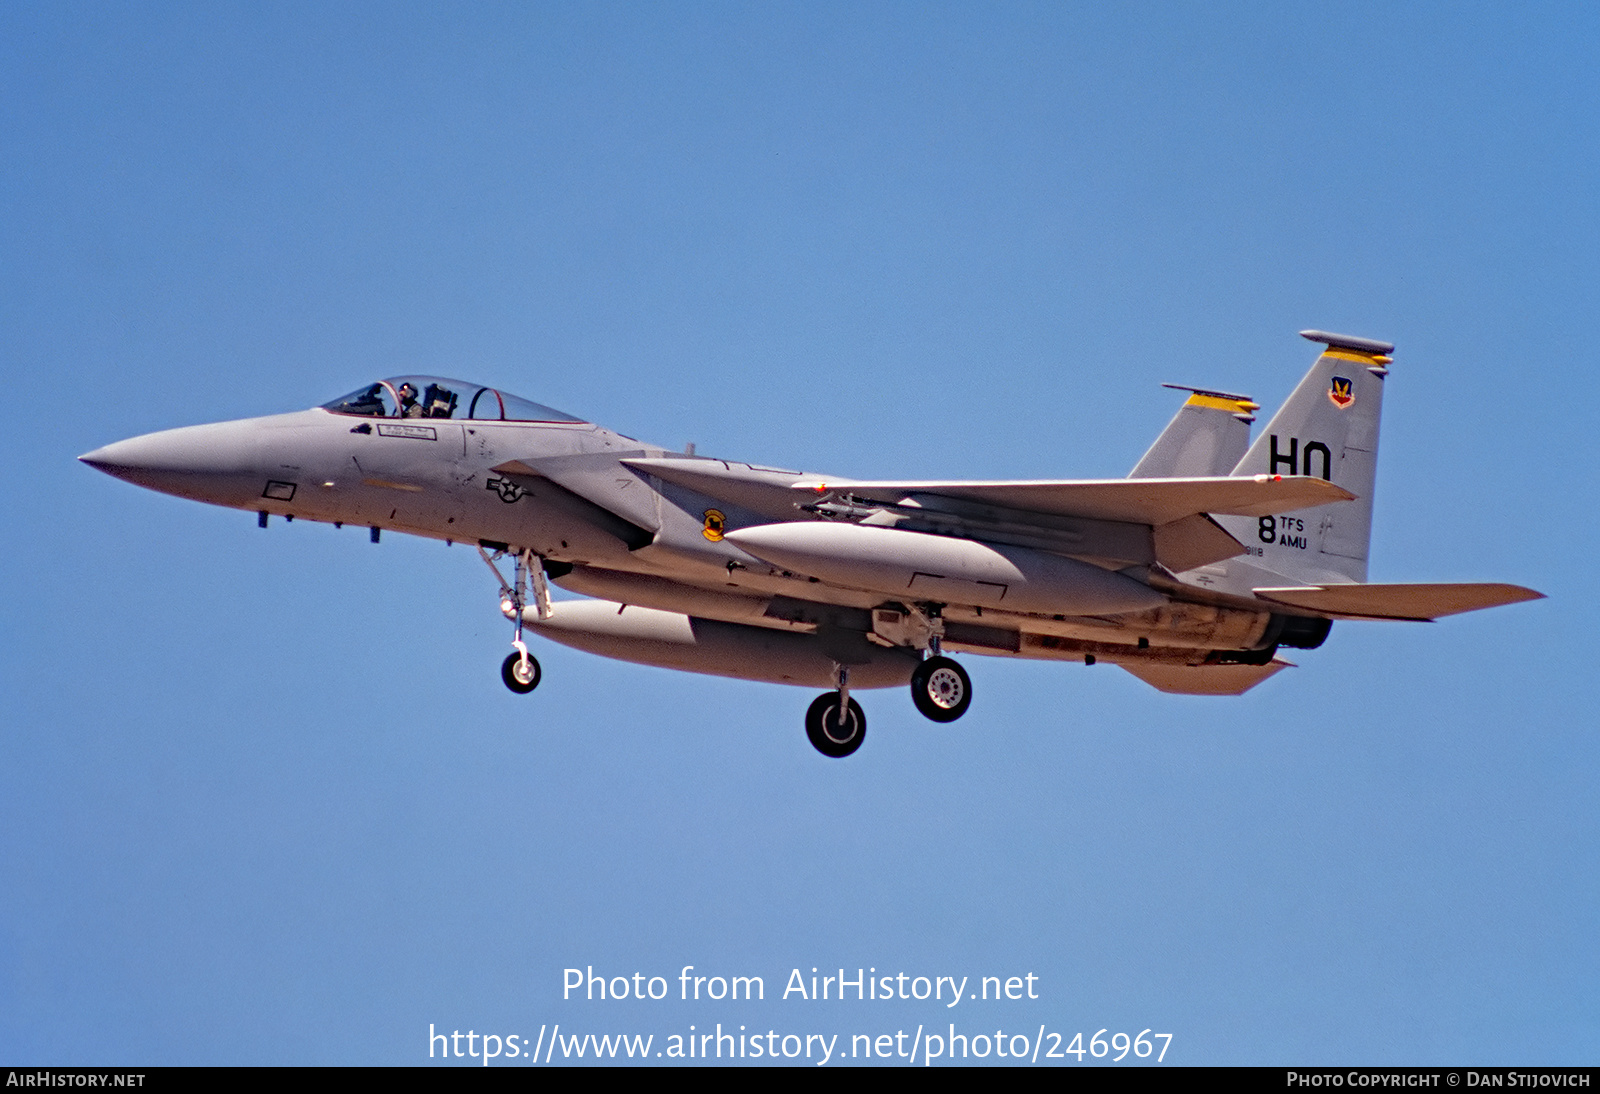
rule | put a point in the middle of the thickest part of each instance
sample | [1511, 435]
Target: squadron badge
[716, 524]
[1340, 394]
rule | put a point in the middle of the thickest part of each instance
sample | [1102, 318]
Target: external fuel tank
[670, 640]
[917, 566]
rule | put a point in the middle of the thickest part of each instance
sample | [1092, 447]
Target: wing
[1134, 501]
[1172, 511]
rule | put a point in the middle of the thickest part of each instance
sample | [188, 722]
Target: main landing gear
[940, 688]
[835, 723]
[520, 671]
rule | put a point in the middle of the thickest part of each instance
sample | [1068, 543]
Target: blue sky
[262, 796]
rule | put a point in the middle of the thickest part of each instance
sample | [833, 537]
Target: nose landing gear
[520, 671]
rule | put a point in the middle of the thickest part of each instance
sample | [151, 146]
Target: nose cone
[216, 463]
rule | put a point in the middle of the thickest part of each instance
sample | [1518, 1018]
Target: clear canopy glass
[437, 397]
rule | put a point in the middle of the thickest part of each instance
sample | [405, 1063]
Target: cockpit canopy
[437, 397]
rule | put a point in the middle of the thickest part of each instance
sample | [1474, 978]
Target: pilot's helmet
[406, 390]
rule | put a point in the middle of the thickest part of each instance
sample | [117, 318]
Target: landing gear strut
[520, 670]
[836, 724]
[939, 687]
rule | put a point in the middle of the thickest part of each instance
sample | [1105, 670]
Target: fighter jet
[1192, 573]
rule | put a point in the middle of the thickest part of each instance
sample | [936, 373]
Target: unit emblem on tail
[1340, 393]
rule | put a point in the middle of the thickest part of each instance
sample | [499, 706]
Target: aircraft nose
[114, 458]
[198, 462]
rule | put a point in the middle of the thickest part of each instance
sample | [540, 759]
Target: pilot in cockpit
[409, 407]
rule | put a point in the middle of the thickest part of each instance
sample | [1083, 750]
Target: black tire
[511, 674]
[941, 689]
[824, 728]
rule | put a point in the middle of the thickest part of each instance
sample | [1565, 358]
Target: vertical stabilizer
[1327, 428]
[1207, 437]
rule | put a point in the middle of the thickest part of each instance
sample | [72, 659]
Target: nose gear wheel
[941, 689]
[521, 672]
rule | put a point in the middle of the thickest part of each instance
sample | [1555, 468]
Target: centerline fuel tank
[672, 640]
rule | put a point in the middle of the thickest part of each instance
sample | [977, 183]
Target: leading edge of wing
[1136, 501]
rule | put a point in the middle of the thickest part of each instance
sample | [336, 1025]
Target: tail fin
[1328, 428]
[1205, 439]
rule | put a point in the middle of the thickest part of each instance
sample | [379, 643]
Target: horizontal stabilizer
[1136, 501]
[1203, 679]
[1414, 602]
